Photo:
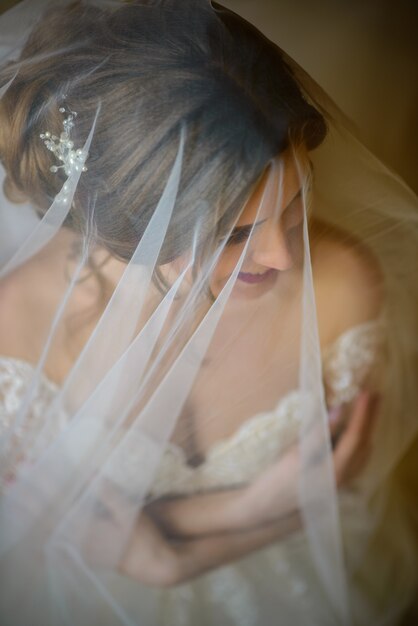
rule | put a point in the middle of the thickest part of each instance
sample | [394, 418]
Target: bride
[208, 307]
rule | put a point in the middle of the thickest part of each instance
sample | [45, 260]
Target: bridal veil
[142, 159]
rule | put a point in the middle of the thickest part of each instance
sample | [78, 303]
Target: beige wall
[364, 53]
[6, 4]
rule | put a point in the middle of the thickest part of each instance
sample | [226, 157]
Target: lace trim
[347, 361]
[15, 378]
[260, 439]
[237, 459]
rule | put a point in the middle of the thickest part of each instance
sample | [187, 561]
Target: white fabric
[233, 592]
[171, 336]
[232, 461]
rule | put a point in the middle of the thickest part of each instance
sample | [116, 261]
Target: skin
[176, 540]
[274, 215]
[269, 219]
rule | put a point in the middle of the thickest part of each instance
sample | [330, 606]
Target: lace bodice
[260, 439]
[232, 461]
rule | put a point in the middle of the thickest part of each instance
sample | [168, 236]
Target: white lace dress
[240, 594]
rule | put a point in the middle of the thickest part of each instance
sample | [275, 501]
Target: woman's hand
[245, 519]
[351, 436]
[274, 493]
[149, 557]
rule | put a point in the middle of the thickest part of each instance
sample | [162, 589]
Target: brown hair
[153, 68]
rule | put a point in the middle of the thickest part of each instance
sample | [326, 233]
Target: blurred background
[364, 53]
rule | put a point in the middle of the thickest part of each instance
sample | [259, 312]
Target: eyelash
[241, 236]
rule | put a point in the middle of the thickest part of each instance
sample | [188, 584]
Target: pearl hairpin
[63, 147]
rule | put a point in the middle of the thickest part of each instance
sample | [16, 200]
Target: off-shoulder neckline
[221, 446]
[327, 350]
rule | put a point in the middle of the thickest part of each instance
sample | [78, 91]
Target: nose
[272, 250]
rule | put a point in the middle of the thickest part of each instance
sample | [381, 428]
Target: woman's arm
[272, 495]
[152, 559]
[206, 514]
[196, 557]
[199, 556]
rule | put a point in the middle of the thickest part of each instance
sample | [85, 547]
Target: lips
[247, 277]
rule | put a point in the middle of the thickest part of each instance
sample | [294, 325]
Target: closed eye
[241, 233]
[292, 216]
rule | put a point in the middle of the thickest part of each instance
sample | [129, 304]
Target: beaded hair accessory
[63, 147]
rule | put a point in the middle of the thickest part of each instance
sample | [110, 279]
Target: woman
[194, 332]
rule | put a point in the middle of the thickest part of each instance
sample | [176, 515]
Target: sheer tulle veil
[142, 162]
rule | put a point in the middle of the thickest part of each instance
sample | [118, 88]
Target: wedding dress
[256, 444]
[171, 162]
[230, 594]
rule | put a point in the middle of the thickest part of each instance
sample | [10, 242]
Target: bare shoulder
[21, 309]
[29, 296]
[29, 300]
[348, 282]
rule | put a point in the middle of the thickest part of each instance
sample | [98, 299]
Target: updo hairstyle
[154, 68]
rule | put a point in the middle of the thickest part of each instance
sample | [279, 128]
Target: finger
[337, 422]
[334, 419]
[345, 414]
[361, 420]
[371, 415]
[352, 469]
[355, 436]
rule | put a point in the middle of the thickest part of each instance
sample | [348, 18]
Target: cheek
[226, 265]
[295, 243]
[293, 216]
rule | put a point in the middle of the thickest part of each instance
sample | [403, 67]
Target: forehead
[276, 188]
